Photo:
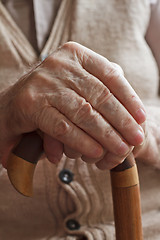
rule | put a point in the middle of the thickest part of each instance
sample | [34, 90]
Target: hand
[76, 98]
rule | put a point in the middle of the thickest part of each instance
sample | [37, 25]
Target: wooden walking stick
[124, 180]
[126, 200]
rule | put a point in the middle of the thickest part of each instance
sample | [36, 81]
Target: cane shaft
[126, 202]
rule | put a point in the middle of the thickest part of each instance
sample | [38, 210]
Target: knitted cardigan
[82, 205]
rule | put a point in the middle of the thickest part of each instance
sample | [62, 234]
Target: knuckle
[63, 59]
[112, 74]
[83, 114]
[61, 129]
[102, 98]
[126, 123]
[70, 45]
[75, 51]
[109, 133]
[65, 56]
[118, 68]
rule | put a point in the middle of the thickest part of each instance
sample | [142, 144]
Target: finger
[71, 153]
[85, 117]
[96, 93]
[110, 161]
[121, 120]
[91, 160]
[103, 101]
[55, 124]
[101, 68]
[53, 148]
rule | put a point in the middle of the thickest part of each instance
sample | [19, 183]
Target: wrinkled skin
[82, 104]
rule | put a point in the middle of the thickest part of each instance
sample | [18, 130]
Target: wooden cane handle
[126, 200]
[22, 162]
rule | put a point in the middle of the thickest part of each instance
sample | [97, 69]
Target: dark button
[72, 224]
[66, 176]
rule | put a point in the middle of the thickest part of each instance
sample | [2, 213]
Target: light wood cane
[124, 180]
[126, 200]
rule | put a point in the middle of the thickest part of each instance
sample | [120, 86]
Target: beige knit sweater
[70, 204]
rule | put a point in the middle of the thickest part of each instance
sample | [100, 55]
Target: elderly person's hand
[78, 99]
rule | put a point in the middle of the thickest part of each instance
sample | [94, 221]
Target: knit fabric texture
[116, 30]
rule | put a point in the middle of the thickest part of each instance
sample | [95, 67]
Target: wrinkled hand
[78, 99]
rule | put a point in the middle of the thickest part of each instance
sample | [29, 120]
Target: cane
[124, 179]
[126, 200]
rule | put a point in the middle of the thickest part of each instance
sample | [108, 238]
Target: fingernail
[140, 115]
[139, 137]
